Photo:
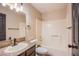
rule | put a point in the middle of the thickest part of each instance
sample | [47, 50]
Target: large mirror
[14, 21]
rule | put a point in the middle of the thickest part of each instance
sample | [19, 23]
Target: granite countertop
[30, 44]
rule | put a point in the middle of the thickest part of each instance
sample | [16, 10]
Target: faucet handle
[9, 38]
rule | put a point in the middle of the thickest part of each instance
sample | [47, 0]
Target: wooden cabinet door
[31, 51]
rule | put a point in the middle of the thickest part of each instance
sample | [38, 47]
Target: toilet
[42, 51]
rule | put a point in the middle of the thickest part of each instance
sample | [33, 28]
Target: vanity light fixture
[17, 6]
[21, 9]
[11, 7]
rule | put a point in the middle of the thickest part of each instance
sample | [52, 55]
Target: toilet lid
[41, 50]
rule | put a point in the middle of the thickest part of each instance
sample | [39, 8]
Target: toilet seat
[41, 51]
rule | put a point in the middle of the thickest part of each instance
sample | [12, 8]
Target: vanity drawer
[33, 54]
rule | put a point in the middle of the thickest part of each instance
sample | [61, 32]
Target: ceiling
[48, 7]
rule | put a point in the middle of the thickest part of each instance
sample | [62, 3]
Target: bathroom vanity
[21, 49]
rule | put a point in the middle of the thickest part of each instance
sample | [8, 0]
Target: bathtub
[55, 52]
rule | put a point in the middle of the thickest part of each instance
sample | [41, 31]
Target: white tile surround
[57, 53]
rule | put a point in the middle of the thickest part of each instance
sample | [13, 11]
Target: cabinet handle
[72, 46]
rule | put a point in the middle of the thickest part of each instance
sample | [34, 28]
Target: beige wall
[39, 31]
[31, 15]
[13, 20]
[69, 24]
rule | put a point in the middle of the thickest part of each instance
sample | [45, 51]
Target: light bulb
[15, 5]
[4, 4]
[21, 8]
[11, 7]
[17, 9]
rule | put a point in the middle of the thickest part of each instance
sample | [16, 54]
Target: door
[75, 30]
[2, 27]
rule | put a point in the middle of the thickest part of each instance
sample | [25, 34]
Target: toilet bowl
[41, 50]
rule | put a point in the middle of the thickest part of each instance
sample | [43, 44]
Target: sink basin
[18, 47]
[41, 50]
